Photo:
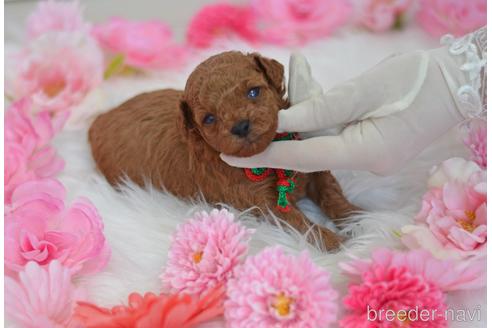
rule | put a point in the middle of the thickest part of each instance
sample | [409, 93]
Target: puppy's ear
[187, 115]
[273, 71]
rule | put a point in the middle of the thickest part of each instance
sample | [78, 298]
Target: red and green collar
[285, 178]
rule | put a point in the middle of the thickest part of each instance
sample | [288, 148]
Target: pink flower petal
[43, 297]
[38, 228]
[275, 289]
[204, 252]
[146, 45]
[439, 17]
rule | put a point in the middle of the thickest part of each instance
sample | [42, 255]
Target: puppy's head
[231, 100]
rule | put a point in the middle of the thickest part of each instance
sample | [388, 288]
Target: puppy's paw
[327, 238]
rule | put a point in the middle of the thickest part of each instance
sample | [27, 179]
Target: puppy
[173, 139]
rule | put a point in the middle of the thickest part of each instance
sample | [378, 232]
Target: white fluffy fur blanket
[139, 223]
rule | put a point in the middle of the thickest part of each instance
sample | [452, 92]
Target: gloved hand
[387, 115]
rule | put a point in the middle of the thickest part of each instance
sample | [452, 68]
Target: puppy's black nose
[241, 129]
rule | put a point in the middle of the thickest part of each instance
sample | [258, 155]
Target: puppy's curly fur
[174, 139]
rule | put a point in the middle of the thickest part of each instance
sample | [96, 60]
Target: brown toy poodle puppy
[173, 139]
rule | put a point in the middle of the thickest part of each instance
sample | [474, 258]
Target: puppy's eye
[253, 93]
[208, 119]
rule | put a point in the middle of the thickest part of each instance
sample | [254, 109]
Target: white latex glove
[387, 115]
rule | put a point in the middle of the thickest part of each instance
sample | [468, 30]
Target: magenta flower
[56, 70]
[452, 222]
[39, 228]
[42, 297]
[476, 141]
[294, 22]
[55, 16]
[220, 21]
[146, 45]
[458, 17]
[28, 154]
[204, 252]
[273, 289]
[406, 284]
[381, 15]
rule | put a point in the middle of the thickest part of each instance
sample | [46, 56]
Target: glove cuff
[471, 52]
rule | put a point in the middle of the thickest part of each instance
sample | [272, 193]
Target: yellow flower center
[470, 215]
[197, 257]
[468, 224]
[54, 88]
[402, 316]
[282, 304]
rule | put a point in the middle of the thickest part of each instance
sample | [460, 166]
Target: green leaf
[399, 22]
[114, 66]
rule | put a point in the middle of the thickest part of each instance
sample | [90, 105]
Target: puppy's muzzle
[241, 129]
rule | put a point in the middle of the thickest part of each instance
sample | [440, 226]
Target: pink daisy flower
[204, 252]
[220, 21]
[406, 284]
[273, 289]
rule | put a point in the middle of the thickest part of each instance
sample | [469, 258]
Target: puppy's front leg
[301, 223]
[325, 191]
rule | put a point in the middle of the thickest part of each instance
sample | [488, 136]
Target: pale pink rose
[28, 154]
[273, 289]
[53, 15]
[39, 228]
[458, 17]
[204, 252]
[221, 21]
[294, 22]
[56, 70]
[404, 281]
[455, 169]
[452, 222]
[476, 141]
[42, 297]
[145, 45]
[381, 15]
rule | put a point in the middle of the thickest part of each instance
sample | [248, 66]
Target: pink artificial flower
[28, 130]
[39, 228]
[273, 289]
[476, 140]
[28, 154]
[150, 310]
[220, 21]
[407, 283]
[452, 222]
[294, 22]
[56, 70]
[458, 17]
[43, 297]
[145, 45]
[204, 252]
[53, 15]
[381, 15]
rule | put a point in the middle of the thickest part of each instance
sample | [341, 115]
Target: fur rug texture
[139, 223]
